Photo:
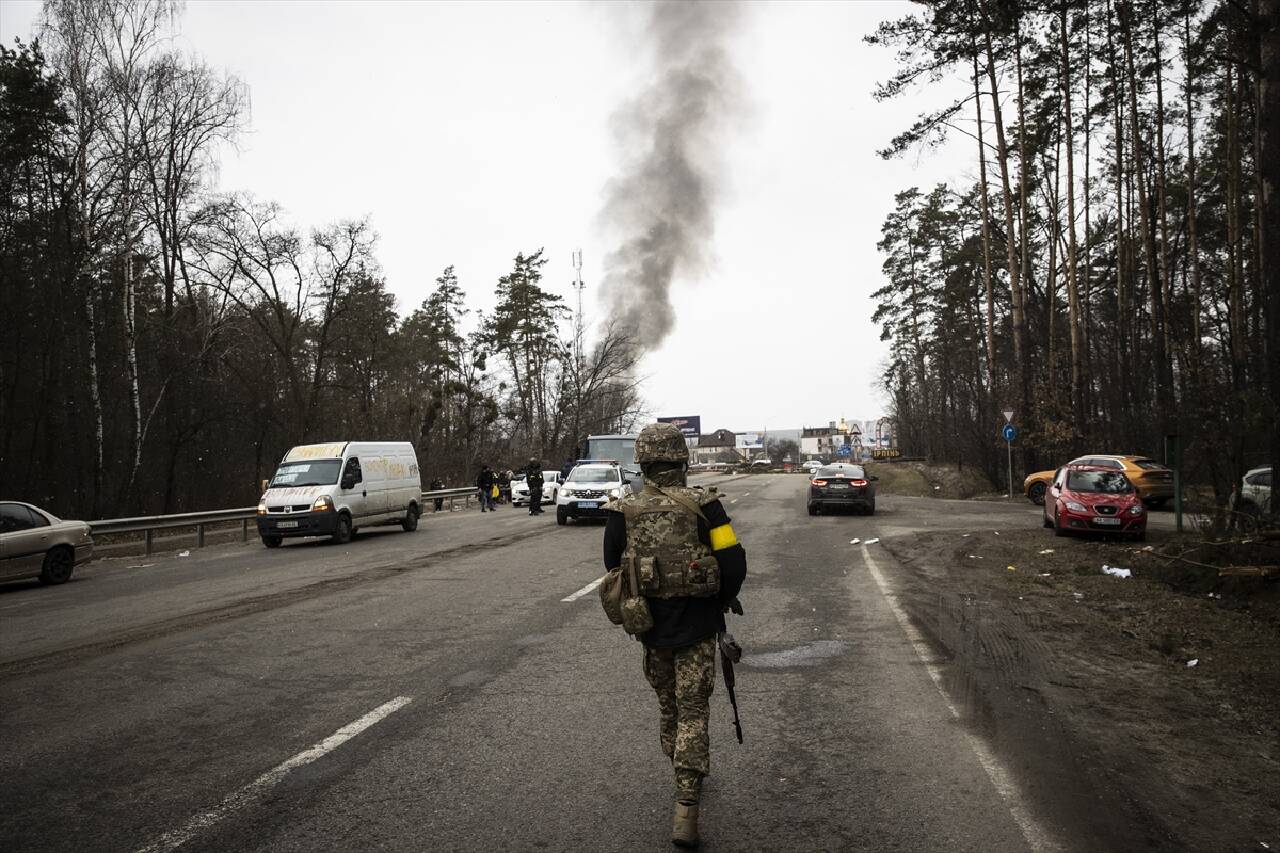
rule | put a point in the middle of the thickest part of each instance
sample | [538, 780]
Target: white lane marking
[586, 589]
[239, 799]
[1036, 835]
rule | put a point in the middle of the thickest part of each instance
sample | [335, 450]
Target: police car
[590, 485]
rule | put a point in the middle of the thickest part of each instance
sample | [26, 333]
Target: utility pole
[579, 286]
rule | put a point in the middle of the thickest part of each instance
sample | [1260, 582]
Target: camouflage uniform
[678, 550]
[683, 678]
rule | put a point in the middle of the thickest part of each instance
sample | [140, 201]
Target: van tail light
[819, 482]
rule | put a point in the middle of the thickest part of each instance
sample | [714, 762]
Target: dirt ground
[1162, 689]
[921, 480]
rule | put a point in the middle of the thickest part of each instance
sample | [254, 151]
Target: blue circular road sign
[1010, 432]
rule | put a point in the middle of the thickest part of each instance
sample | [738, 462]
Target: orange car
[1152, 479]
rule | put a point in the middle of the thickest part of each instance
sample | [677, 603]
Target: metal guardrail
[147, 525]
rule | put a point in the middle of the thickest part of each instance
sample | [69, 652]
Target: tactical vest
[662, 544]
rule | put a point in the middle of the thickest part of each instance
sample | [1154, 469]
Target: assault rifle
[731, 653]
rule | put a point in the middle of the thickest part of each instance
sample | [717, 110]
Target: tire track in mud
[250, 606]
[1003, 679]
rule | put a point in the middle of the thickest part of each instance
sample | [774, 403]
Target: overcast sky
[470, 132]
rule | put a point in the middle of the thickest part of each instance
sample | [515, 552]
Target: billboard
[690, 427]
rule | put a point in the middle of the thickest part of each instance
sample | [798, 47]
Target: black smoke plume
[661, 208]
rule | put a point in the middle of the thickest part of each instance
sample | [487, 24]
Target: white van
[336, 489]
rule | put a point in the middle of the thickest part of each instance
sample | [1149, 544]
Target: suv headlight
[1136, 509]
[262, 507]
[567, 492]
[615, 493]
[1076, 506]
[322, 504]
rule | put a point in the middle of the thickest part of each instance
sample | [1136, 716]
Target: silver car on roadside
[35, 544]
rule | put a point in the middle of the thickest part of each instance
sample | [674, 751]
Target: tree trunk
[1073, 290]
[1163, 404]
[1166, 271]
[1018, 320]
[986, 232]
[1193, 234]
[1268, 20]
[131, 369]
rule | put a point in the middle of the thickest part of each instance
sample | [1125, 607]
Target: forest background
[164, 342]
[1113, 273]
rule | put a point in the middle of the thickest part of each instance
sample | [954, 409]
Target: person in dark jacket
[484, 482]
[436, 485]
[533, 476]
[665, 533]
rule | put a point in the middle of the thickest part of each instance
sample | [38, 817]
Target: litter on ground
[996, 532]
[1078, 595]
[1047, 551]
[854, 541]
[872, 541]
[1013, 568]
[1044, 574]
[184, 553]
[1116, 572]
[1193, 662]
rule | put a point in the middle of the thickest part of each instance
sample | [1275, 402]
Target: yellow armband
[723, 537]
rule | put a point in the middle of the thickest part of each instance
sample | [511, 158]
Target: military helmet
[661, 443]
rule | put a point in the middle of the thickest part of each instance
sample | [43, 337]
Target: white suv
[550, 488]
[1254, 495]
[589, 487]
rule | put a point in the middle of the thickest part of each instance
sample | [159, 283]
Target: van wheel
[342, 535]
[410, 521]
[272, 541]
[58, 565]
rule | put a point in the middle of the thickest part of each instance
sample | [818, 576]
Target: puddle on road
[807, 655]
[470, 678]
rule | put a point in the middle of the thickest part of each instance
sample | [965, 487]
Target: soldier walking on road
[678, 544]
[533, 476]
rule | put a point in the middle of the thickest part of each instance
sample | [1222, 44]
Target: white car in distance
[589, 487]
[550, 489]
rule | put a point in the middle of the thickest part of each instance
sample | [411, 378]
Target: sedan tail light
[858, 482]
[818, 483]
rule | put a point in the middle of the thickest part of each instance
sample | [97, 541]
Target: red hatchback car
[1099, 500]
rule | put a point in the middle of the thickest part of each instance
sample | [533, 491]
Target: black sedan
[842, 486]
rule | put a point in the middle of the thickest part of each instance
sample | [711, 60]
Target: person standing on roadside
[484, 482]
[533, 476]
[437, 485]
[677, 545]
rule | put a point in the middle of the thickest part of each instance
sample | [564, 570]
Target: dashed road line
[239, 799]
[586, 589]
[1037, 837]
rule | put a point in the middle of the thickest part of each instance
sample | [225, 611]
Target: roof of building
[719, 438]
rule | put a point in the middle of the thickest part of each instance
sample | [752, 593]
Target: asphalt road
[445, 690]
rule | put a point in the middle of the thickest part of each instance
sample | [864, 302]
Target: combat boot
[684, 826]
